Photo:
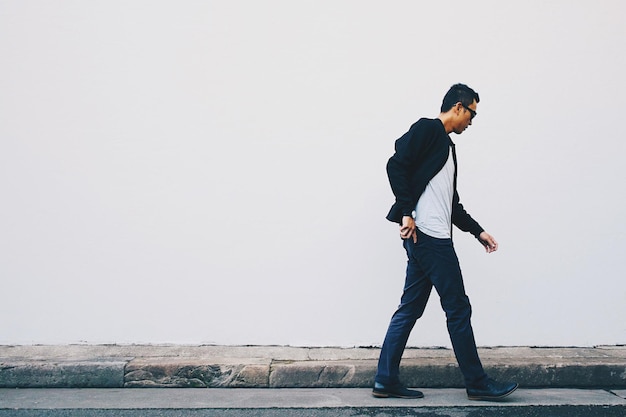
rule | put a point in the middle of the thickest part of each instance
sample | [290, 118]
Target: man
[422, 174]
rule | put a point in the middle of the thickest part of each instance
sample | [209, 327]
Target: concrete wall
[213, 171]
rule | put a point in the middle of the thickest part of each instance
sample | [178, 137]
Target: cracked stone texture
[318, 374]
[185, 373]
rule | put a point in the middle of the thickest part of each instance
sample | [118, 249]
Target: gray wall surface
[214, 171]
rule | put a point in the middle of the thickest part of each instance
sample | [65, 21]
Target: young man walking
[422, 173]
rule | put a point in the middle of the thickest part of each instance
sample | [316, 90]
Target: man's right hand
[407, 229]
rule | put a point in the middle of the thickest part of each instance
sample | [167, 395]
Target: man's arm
[398, 168]
[462, 219]
[465, 222]
[402, 165]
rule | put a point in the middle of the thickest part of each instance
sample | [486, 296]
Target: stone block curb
[83, 374]
[155, 366]
[189, 373]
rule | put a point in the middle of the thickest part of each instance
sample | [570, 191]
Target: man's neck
[446, 121]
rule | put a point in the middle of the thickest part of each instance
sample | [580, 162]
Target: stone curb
[135, 366]
[87, 374]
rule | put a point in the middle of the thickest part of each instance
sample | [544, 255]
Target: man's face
[464, 117]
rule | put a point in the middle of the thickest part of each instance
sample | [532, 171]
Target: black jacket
[420, 154]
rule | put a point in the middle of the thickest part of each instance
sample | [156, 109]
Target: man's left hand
[488, 242]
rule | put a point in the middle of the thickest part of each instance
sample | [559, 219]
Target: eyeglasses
[472, 112]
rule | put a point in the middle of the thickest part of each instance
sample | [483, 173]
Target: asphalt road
[545, 411]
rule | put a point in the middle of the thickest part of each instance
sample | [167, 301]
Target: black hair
[456, 93]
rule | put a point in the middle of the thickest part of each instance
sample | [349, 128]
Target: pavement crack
[319, 374]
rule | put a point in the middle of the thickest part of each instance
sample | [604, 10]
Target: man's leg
[417, 288]
[439, 261]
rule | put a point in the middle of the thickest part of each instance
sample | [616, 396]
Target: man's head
[459, 108]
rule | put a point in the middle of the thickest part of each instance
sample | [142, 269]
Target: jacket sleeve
[401, 166]
[398, 169]
[462, 219]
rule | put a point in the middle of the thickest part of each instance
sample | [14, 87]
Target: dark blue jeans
[432, 262]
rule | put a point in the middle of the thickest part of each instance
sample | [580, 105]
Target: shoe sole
[490, 398]
[379, 394]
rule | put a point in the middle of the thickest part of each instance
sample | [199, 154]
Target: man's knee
[407, 315]
[457, 310]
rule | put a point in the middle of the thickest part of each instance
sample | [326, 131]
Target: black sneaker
[491, 390]
[395, 391]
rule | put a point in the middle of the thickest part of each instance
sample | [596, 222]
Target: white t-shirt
[433, 212]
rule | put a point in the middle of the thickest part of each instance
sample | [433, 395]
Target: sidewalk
[176, 366]
[302, 402]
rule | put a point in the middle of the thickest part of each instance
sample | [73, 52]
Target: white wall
[213, 171]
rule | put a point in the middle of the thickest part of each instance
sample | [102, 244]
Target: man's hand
[407, 230]
[488, 242]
